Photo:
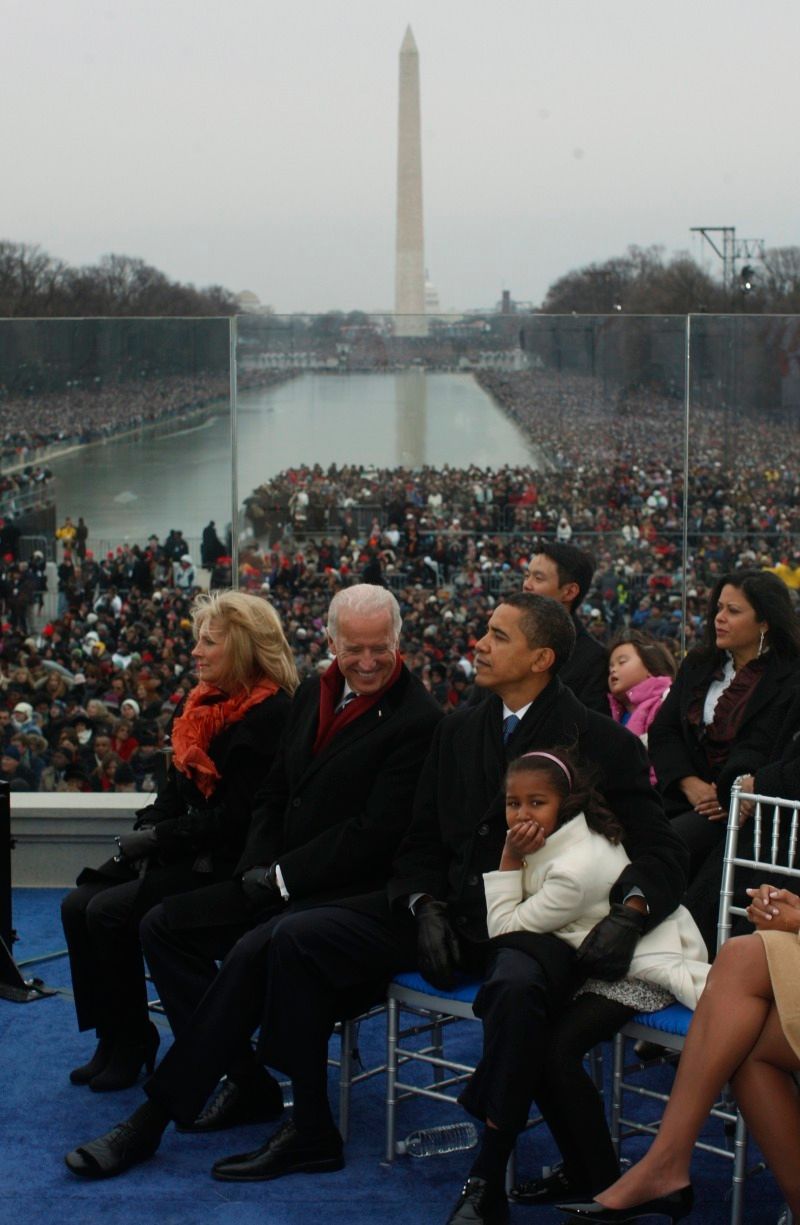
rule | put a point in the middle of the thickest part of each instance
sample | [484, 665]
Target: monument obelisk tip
[408, 43]
[410, 262]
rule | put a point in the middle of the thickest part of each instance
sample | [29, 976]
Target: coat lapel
[478, 746]
[376, 716]
[482, 756]
[773, 681]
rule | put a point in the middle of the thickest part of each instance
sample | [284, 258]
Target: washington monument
[410, 267]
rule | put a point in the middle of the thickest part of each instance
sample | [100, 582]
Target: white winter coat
[564, 890]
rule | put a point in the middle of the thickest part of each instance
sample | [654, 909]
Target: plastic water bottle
[434, 1141]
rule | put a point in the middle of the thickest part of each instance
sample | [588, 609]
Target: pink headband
[550, 757]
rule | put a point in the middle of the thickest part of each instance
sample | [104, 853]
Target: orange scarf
[207, 712]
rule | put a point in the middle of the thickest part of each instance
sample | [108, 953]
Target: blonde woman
[224, 738]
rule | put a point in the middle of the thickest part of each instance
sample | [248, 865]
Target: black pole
[12, 985]
[6, 931]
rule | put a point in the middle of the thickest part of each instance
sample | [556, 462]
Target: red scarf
[207, 712]
[330, 694]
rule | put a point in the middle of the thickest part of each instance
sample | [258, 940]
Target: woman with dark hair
[224, 739]
[729, 687]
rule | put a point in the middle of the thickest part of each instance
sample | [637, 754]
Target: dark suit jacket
[459, 823]
[675, 748]
[586, 671]
[334, 821]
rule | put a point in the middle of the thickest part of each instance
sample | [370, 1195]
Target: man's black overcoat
[333, 821]
[459, 814]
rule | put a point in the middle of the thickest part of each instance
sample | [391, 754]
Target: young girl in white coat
[562, 855]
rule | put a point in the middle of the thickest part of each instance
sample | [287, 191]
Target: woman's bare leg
[726, 1026]
[768, 1098]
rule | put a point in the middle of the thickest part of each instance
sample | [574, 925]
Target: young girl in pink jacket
[640, 672]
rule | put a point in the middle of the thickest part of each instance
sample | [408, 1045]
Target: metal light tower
[733, 249]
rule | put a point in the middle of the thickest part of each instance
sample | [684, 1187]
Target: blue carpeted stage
[43, 1116]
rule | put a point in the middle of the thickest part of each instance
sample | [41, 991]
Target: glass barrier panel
[432, 462]
[743, 452]
[429, 456]
[603, 401]
[115, 458]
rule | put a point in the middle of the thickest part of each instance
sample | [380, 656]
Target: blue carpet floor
[42, 1116]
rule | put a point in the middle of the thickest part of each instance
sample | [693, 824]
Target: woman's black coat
[675, 746]
[210, 832]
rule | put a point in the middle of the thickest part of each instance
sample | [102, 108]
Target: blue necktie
[510, 724]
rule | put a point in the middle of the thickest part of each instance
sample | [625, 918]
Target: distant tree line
[34, 284]
[643, 282]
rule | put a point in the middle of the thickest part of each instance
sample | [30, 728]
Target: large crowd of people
[449, 543]
[84, 413]
[385, 582]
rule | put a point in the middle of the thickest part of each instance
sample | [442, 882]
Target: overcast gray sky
[253, 143]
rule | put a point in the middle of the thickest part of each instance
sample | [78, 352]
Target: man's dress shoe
[552, 1189]
[118, 1150]
[288, 1151]
[480, 1203]
[234, 1104]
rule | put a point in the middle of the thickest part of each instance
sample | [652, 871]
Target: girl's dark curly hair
[576, 784]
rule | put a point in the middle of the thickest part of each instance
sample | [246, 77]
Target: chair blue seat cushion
[465, 991]
[672, 1020]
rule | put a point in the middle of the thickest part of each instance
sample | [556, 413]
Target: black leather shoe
[553, 1189]
[480, 1203]
[676, 1206]
[647, 1052]
[118, 1150]
[288, 1151]
[235, 1104]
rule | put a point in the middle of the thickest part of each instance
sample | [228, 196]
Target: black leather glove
[136, 845]
[147, 817]
[607, 950]
[260, 886]
[437, 945]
